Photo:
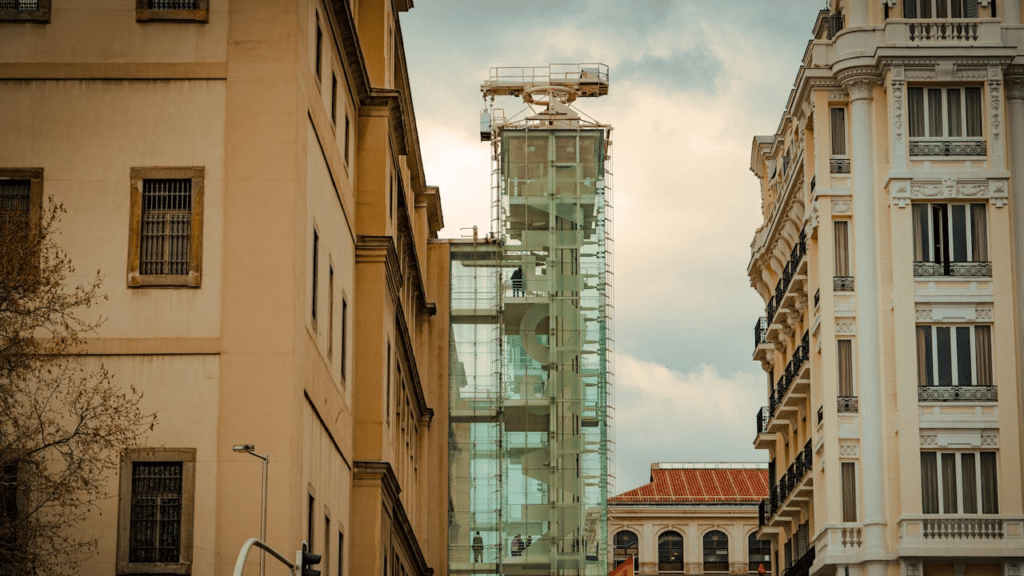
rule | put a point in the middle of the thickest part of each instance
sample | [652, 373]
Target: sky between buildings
[692, 81]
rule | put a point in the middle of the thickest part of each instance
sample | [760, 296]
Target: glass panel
[940, 234]
[945, 355]
[926, 9]
[963, 357]
[935, 112]
[915, 107]
[954, 112]
[842, 247]
[972, 99]
[969, 475]
[845, 368]
[958, 237]
[949, 484]
[941, 9]
[929, 484]
[910, 8]
[849, 471]
[957, 9]
[716, 552]
[989, 484]
[670, 552]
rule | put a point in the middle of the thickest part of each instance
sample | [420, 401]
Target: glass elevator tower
[531, 367]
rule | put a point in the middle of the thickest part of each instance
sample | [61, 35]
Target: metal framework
[531, 368]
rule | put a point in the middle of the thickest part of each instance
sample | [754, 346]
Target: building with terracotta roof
[692, 518]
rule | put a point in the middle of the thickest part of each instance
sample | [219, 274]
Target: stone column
[1014, 85]
[857, 14]
[1010, 11]
[860, 83]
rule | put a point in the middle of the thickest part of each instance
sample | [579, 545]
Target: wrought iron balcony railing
[762, 420]
[19, 4]
[788, 272]
[791, 373]
[960, 269]
[789, 482]
[948, 148]
[839, 165]
[956, 394]
[173, 4]
[760, 328]
[842, 284]
[847, 404]
[802, 567]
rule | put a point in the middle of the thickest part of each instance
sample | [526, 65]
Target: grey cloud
[696, 69]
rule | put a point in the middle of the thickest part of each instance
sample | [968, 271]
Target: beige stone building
[247, 176]
[893, 419]
[692, 518]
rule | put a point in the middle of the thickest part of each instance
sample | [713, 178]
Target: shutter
[910, 8]
[970, 8]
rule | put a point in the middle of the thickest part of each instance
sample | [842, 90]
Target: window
[344, 333]
[334, 98]
[759, 553]
[840, 161]
[310, 522]
[348, 136]
[318, 49]
[156, 511]
[959, 483]
[9, 513]
[670, 552]
[21, 194]
[330, 311]
[954, 356]
[626, 545]
[716, 552]
[936, 113]
[24, 10]
[951, 240]
[849, 479]
[341, 554]
[326, 559]
[315, 273]
[845, 354]
[174, 10]
[165, 245]
[843, 280]
[928, 9]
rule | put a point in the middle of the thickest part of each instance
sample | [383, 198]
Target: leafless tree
[62, 426]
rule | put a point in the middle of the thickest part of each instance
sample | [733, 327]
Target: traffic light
[306, 562]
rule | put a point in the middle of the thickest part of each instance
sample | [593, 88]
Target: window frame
[143, 13]
[751, 540]
[940, 488]
[41, 13]
[918, 8]
[927, 115]
[195, 276]
[620, 552]
[663, 549]
[934, 239]
[715, 551]
[187, 457]
[930, 379]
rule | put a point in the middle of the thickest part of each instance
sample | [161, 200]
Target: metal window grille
[14, 195]
[19, 4]
[173, 4]
[166, 233]
[155, 531]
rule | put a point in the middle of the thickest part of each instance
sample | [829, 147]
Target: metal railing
[956, 394]
[788, 272]
[173, 4]
[943, 30]
[847, 404]
[762, 420]
[839, 165]
[790, 481]
[19, 4]
[791, 373]
[842, 283]
[760, 328]
[948, 148]
[801, 567]
[960, 269]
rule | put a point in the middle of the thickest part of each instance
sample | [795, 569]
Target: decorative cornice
[381, 250]
[375, 472]
[860, 81]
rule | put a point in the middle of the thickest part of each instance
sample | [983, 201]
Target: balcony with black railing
[795, 269]
[791, 490]
[801, 567]
[764, 439]
[847, 404]
[957, 394]
[953, 269]
[791, 387]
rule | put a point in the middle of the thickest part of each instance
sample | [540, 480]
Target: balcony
[761, 344]
[948, 148]
[792, 385]
[801, 567]
[956, 269]
[957, 394]
[764, 439]
[790, 272]
[943, 32]
[839, 165]
[847, 404]
[842, 284]
[793, 488]
[935, 535]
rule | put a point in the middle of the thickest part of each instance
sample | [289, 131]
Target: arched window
[627, 544]
[716, 552]
[759, 552]
[670, 552]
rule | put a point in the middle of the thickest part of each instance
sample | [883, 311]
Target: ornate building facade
[247, 177]
[893, 413]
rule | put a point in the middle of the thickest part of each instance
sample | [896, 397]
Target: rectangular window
[344, 334]
[21, 195]
[166, 227]
[341, 554]
[325, 561]
[387, 395]
[841, 231]
[838, 131]
[945, 112]
[315, 272]
[948, 234]
[310, 522]
[330, 311]
[334, 98]
[954, 355]
[156, 508]
[318, 49]
[845, 353]
[9, 510]
[849, 473]
[940, 9]
[959, 483]
[348, 136]
[172, 10]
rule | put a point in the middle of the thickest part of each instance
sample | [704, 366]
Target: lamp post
[251, 449]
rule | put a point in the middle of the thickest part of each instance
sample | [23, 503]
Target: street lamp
[251, 449]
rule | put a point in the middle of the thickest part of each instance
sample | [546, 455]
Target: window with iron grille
[166, 228]
[25, 10]
[716, 551]
[15, 196]
[946, 121]
[8, 512]
[156, 509]
[173, 10]
[670, 552]
[20, 206]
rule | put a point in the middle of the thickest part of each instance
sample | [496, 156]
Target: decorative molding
[899, 194]
[860, 82]
[984, 314]
[1014, 83]
[995, 105]
[995, 190]
[896, 91]
[849, 450]
[989, 439]
[838, 96]
[921, 74]
[924, 313]
[913, 568]
[970, 74]
[845, 328]
[841, 206]
[1014, 569]
[929, 440]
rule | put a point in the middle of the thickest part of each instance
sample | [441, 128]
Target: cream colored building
[890, 261]
[692, 518]
[247, 176]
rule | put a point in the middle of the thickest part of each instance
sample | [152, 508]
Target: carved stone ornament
[970, 74]
[900, 194]
[845, 328]
[897, 93]
[811, 228]
[998, 194]
[1014, 569]
[840, 206]
[984, 314]
[989, 440]
[838, 96]
[924, 313]
[848, 450]
[929, 440]
[995, 105]
[995, 190]
[921, 74]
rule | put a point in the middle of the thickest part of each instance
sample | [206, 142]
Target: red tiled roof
[699, 485]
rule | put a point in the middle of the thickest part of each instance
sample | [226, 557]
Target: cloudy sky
[691, 82]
